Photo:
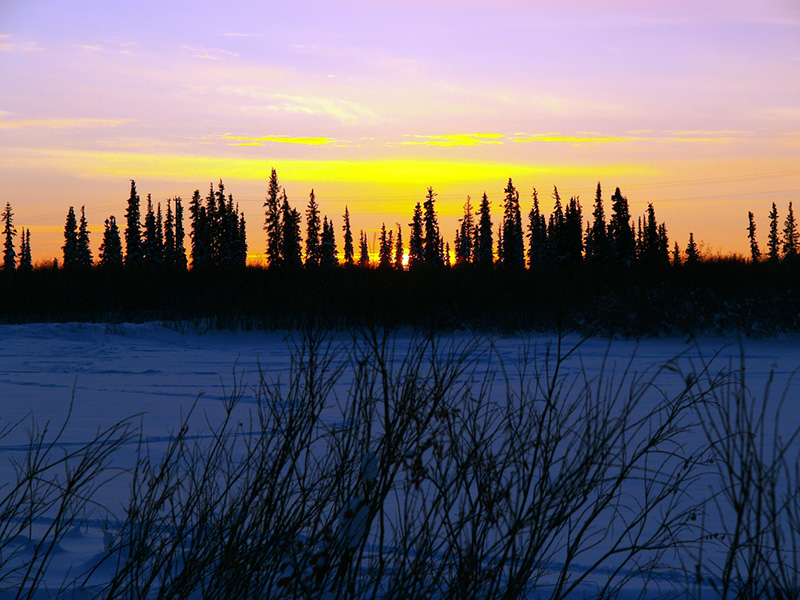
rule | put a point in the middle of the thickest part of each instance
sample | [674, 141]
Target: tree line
[217, 235]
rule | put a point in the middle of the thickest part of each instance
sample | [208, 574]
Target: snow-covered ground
[96, 375]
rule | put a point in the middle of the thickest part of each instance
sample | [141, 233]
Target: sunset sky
[692, 105]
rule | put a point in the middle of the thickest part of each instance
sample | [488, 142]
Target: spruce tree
[621, 240]
[349, 251]
[773, 242]
[398, 249]
[692, 254]
[290, 255]
[663, 245]
[159, 236]
[312, 231]
[556, 244]
[572, 234]
[70, 247]
[150, 242]
[464, 241]
[133, 232]
[328, 254]
[432, 249]
[242, 241]
[363, 258]
[597, 240]
[385, 249]
[790, 235]
[416, 242]
[201, 254]
[111, 247]
[180, 250]
[483, 235]
[272, 221]
[170, 254]
[84, 250]
[537, 234]
[25, 261]
[513, 243]
[755, 251]
[9, 254]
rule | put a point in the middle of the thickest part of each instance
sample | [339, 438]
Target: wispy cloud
[634, 136]
[7, 45]
[208, 53]
[62, 123]
[344, 111]
[279, 139]
[243, 35]
[456, 139]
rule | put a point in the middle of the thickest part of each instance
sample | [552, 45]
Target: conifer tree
[312, 231]
[597, 240]
[432, 250]
[111, 247]
[349, 251]
[773, 242]
[790, 235]
[398, 249]
[676, 255]
[70, 247]
[484, 251]
[290, 255]
[663, 245]
[464, 241]
[133, 232]
[416, 243]
[692, 254]
[572, 234]
[500, 244]
[328, 254]
[513, 243]
[537, 234]
[25, 261]
[385, 248]
[242, 242]
[201, 254]
[170, 253]
[363, 258]
[159, 235]
[755, 251]
[84, 250]
[272, 222]
[556, 243]
[621, 240]
[180, 250]
[9, 254]
[150, 243]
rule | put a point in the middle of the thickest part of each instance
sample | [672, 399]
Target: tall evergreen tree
[432, 251]
[484, 251]
[398, 249]
[621, 239]
[25, 261]
[180, 250]
[150, 245]
[9, 254]
[773, 242]
[676, 255]
[84, 250]
[349, 251]
[290, 234]
[312, 231]
[385, 248]
[572, 235]
[242, 242]
[328, 254]
[597, 240]
[537, 234]
[790, 235]
[513, 243]
[133, 232]
[663, 245]
[201, 251]
[272, 222]
[755, 251]
[111, 247]
[70, 247]
[170, 252]
[692, 253]
[464, 240]
[416, 242]
[363, 257]
[556, 243]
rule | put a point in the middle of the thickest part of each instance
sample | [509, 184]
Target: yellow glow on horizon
[279, 139]
[456, 139]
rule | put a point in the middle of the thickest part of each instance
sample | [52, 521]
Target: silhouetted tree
[272, 221]
[312, 231]
[651, 244]
[663, 245]
[773, 242]
[537, 234]
[201, 250]
[111, 247]
[25, 260]
[328, 255]
[9, 254]
[170, 254]
[363, 257]
[180, 250]
[464, 235]
[692, 254]
[621, 240]
[84, 250]
[572, 234]
[556, 242]
[416, 243]
[432, 253]
[290, 234]
[755, 251]
[349, 250]
[70, 247]
[484, 251]
[150, 246]
[133, 232]
[790, 235]
[513, 244]
[398, 249]
[385, 248]
[597, 239]
[676, 255]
